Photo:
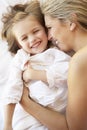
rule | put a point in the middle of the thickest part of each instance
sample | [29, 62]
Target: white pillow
[5, 3]
[5, 59]
[5, 56]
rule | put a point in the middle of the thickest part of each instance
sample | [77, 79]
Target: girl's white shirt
[52, 94]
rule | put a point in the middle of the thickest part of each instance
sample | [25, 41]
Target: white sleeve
[14, 86]
[57, 72]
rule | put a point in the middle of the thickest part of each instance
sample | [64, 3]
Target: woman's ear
[72, 26]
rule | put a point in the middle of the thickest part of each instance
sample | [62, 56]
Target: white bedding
[5, 56]
[5, 3]
[5, 59]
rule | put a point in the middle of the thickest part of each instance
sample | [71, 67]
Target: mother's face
[59, 31]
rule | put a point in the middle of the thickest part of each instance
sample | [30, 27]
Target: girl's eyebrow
[36, 27]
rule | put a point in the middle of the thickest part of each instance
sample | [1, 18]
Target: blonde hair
[64, 10]
[15, 14]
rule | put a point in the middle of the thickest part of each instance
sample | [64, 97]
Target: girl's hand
[32, 74]
[27, 74]
[8, 127]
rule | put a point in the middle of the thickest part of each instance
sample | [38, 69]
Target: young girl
[46, 78]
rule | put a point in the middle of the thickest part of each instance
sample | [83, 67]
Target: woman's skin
[73, 37]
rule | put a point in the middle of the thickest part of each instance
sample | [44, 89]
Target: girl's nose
[31, 40]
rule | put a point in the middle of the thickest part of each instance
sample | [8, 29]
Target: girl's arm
[76, 112]
[8, 114]
[13, 91]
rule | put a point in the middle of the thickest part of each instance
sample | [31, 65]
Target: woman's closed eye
[49, 28]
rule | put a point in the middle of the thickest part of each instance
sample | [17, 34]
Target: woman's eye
[48, 28]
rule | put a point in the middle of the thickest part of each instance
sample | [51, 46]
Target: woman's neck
[80, 41]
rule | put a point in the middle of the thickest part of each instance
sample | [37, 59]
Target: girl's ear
[72, 26]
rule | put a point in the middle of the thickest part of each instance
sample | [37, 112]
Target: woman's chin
[63, 47]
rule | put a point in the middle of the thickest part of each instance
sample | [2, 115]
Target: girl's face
[31, 35]
[60, 32]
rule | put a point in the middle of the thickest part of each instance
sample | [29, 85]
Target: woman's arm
[76, 113]
[47, 117]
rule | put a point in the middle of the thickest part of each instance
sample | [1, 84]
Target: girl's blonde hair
[15, 14]
[64, 10]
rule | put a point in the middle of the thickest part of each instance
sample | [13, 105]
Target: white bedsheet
[5, 3]
[1, 119]
[5, 59]
[5, 56]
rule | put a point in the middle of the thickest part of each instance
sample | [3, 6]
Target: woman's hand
[39, 112]
[25, 96]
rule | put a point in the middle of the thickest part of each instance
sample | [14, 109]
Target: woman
[66, 21]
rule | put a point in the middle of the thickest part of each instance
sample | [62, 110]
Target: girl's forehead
[26, 26]
[29, 21]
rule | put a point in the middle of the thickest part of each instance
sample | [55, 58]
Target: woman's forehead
[50, 20]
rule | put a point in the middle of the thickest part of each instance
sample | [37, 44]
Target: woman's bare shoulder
[78, 68]
[77, 91]
[79, 59]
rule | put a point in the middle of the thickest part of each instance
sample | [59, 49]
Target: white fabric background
[5, 3]
[5, 56]
[5, 59]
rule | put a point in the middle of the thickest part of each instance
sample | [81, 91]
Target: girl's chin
[37, 52]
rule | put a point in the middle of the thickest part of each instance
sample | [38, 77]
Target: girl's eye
[24, 38]
[35, 31]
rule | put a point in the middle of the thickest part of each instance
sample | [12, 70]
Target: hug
[47, 85]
